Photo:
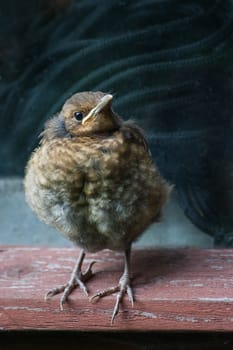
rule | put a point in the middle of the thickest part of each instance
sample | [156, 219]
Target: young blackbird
[93, 179]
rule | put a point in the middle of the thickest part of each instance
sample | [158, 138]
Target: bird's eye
[78, 116]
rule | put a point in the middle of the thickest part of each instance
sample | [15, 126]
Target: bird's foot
[122, 288]
[77, 279]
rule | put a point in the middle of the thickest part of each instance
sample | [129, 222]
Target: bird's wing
[137, 134]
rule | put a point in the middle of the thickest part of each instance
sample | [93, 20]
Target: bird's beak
[105, 101]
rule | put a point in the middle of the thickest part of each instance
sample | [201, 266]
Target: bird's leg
[77, 278]
[122, 287]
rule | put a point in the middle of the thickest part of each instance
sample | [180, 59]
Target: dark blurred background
[169, 64]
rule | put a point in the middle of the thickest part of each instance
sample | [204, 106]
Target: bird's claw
[66, 289]
[55, 291]
[122, 288]
[88, 273]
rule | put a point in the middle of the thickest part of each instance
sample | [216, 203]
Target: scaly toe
[121, 288]
[55, 291]
[105, 292]
[129, 292]
[88, 273]
[67, 291]
[81, 285]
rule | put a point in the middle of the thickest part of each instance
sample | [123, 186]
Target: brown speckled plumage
[93, 179]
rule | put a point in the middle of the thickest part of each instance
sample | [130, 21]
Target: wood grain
[175, 289]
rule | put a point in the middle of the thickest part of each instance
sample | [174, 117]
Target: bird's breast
[100, 193]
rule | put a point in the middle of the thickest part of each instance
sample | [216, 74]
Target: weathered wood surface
[175, 289]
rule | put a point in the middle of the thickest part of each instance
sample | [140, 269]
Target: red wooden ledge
[175, 289]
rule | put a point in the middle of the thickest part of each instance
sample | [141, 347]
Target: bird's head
[88, 113]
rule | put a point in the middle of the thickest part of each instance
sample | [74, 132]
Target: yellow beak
[98, 108]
